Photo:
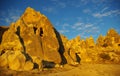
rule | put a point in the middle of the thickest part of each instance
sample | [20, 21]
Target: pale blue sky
[70, 17]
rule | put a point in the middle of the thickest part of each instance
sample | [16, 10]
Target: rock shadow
[61, 49]
[47, 64]
[2, 30]
[78, 58]
[22, 42]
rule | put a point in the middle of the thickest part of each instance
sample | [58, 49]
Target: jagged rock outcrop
[76, 50]
[34, 37]
[10, 40]
[106, 50]
[100, 41]
[90, 42]
[108, 47]
[37, 28]
[32, 42]
[71, 50]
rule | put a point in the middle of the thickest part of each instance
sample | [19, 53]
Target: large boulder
[3, 60]
[16, 60]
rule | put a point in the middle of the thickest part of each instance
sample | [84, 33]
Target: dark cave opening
[41, 32]
[35, 29]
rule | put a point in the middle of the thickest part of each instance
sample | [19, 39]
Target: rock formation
[71, 50]
[33, 43]
[106, 49]
[34, 39]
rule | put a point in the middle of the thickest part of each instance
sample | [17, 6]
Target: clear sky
[70, 17]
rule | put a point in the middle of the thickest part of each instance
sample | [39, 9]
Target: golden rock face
[16, 60]
[33, 36]
[3, 60]
[32, 40]
[28, 66]
[105, 50]
[30, 16]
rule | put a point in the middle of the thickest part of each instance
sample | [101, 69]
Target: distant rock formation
[105, 50]
[33, 43]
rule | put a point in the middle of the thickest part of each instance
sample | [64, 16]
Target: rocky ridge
[105, 50]
[33, 43]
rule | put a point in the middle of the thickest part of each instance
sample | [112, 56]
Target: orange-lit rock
[90, 42]
[16, 60]
[39, 35]
[28, 66]
[72, 48]
[10, 40]
[34, 35]
[3, 60]
[32, 41]
[30, 16]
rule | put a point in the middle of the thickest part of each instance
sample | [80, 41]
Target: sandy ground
[67, 70]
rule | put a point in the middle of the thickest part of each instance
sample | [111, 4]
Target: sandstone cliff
[33, 37]
[33, 43]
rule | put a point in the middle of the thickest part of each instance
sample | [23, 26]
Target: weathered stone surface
[38, 62]
[10, 40]
[71, 50]
[16, 60]
[107, 49]
[90, 42]
[28, 66]
[3, 60]
[37, 34]
[32, 42]
[51, 49]
[30, 16]
[34, 36]
[100, 41]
